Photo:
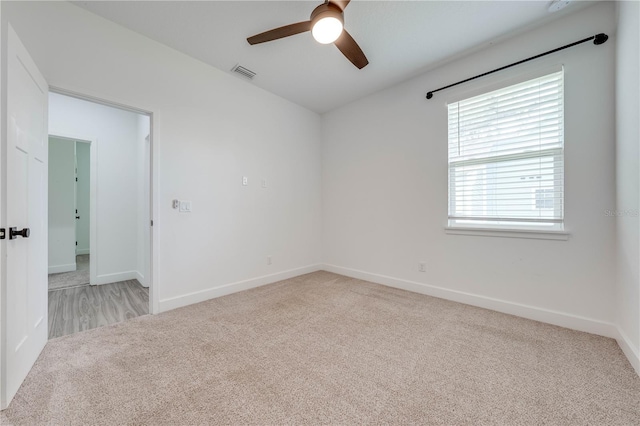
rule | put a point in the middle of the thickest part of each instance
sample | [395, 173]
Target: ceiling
[401, 39]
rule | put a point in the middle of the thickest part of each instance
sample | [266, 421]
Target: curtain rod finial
[429, 95]
[600, 38]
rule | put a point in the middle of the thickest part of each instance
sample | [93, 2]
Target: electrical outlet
[245, 181]
[185, 206]
[422, 267]
[264, 183]
[268, 260]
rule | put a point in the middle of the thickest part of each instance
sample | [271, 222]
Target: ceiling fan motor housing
[326, 10]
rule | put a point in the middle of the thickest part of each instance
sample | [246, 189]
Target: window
[506, 159]
[544, 198]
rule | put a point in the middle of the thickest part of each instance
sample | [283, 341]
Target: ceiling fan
[327, 26]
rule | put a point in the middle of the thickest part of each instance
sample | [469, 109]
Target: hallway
[74, 278]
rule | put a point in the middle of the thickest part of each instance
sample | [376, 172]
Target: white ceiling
[401, 39]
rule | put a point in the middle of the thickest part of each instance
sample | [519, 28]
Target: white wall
[82, 197]
[628, 178]
[62, 222]
[385, 187]
[210, 129]
[117, 223]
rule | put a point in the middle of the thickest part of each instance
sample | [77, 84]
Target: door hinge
[76, 179]
[76, 243]
[152, 222]
[2, 233]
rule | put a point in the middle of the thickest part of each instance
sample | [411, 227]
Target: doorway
[69, 212]
[23, 211]
[99, 214]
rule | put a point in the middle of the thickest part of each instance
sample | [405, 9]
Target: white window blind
[506, 161]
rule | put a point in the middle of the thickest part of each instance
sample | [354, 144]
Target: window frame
[528, 228]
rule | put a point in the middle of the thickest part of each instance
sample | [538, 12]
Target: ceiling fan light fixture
[327, 29]
[326, 24]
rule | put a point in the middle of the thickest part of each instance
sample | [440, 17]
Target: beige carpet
[74, 278]
[326, 349]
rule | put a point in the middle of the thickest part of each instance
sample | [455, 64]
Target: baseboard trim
[58, 269]
[223, 290]
[116, 277]
[632, 353]
[561, 319]
[140, 279]
[82, 251]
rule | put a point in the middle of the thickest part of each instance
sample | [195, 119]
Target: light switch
[185, 206]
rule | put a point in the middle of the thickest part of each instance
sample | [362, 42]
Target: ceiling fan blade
[342, 4]
[351, 50]
[282, 32]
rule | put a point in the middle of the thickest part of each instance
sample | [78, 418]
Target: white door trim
[93, 194]
[154, 117]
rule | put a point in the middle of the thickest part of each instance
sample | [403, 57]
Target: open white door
[24, 307]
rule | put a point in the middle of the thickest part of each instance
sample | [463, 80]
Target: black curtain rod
[597, 40]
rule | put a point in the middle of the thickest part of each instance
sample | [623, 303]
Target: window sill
[509, 233]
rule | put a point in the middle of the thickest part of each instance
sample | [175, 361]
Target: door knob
[77, 217]
[14, 233]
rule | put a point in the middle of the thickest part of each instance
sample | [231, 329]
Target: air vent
[556, 5]
[246, 73]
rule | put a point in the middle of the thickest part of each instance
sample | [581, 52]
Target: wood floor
[86, 307]
[73, 278]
